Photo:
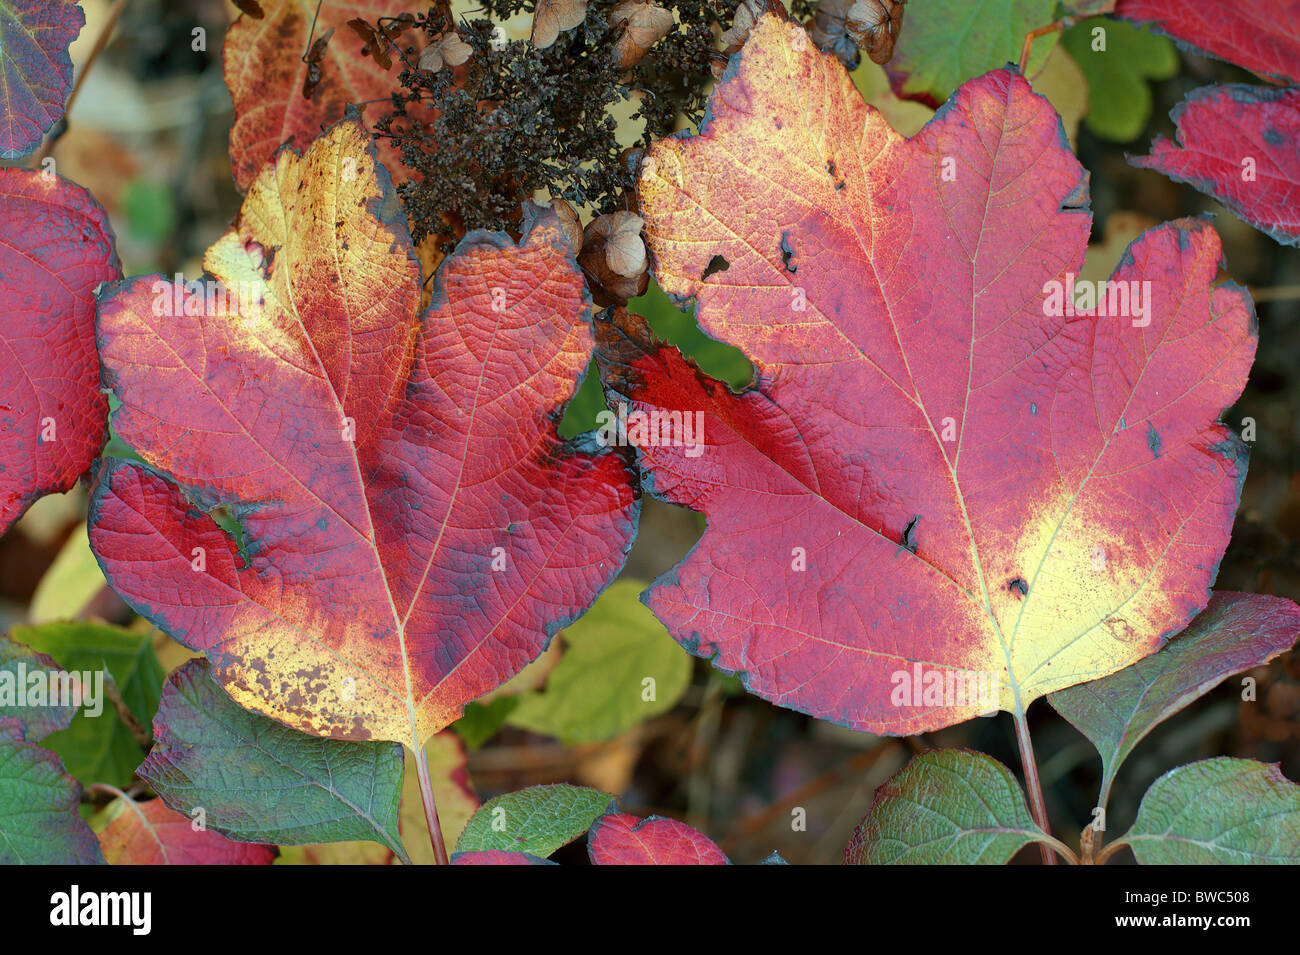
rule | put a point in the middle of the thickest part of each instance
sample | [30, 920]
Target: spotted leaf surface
[412, 530]
[1261, 35]
[36, 72]
[939, 478]
[264, 70]
[151, 834]
[1241, 145]
[57, 249]
[618, 838]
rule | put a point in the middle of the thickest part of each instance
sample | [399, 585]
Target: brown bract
[874, 25]
[569, 223]
[448, 50]
[614, 258]
[747, 15]
[553, 17]
[645, 24]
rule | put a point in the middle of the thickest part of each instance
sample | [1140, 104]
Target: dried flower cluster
[484, 122]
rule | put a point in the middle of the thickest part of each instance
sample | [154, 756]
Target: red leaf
[1261, 35]
[266, 76]
[151, 834]
[1240, 144]
[934, 469]
[498, 857]
[414, 528]
[36, 76]
[57, 248]
[618, 838]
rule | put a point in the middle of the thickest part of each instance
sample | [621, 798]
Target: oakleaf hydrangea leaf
[258, 781]
[1261, 35]
[1219, 812]
[39, 823]
[1241, 145]
[945, 807]
[264, 71]
[537, 820]
[151, 834]
[618, 838]
[411, 529]
[57, 249]
[35, 69]
[957, 483]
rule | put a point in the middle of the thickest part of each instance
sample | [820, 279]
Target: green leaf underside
[597, 690]
[1219, 811]
[39, 823]
[946, 807]
[260, 781]
[537, 820]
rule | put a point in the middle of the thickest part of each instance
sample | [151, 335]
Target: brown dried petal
[448, 50]
[552, 17]
[569, 223]
[747, 15]
[645, 25]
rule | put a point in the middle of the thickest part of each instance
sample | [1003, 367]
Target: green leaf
[102, 748]
[946, 42]
[70, 583]
[481, 721]
[947, 807]
[1117, 75]
[256, 780]
[537, 820]
[39, 824]
[1235, 632]
[1219, 811]
[598, 690]
[17, 664]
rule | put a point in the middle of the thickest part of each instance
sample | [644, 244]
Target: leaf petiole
[1035, 788]
[430, 805]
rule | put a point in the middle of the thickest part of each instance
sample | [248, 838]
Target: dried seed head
[614, 258]
[874, 26]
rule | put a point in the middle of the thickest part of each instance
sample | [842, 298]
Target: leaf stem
[430, 806]
[1036, 803]
[1104, 855]
[1061, 848]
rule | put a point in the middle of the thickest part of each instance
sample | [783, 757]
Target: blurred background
[148, 136]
